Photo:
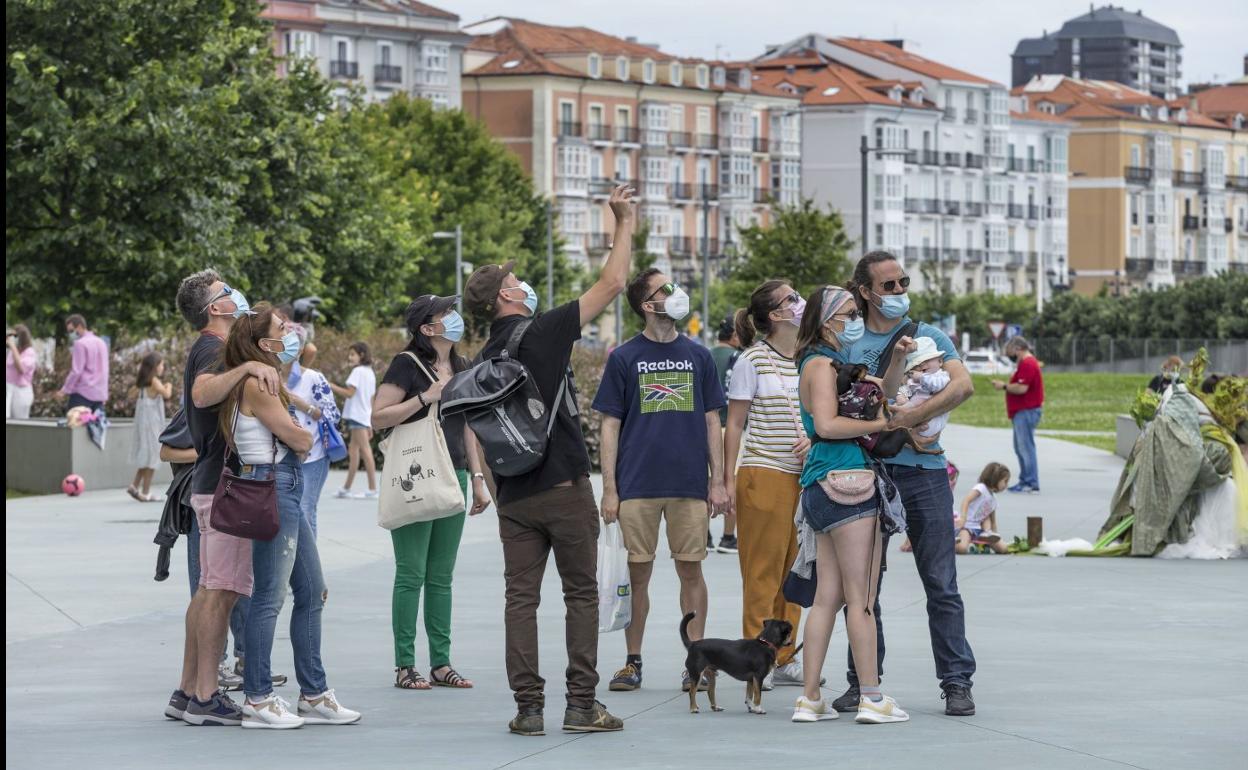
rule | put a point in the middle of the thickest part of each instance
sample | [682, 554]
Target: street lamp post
[864, 150]
[706, 259]
[458, 235]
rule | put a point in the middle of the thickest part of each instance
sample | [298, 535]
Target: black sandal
[451, 679]
[408, 678]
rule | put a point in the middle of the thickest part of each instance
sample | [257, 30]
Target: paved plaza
[1083, 663]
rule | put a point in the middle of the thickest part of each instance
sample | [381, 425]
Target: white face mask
[676, 306]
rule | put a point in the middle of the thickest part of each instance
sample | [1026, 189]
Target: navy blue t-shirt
[661, 393]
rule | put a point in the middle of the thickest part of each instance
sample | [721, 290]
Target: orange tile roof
[1093, 99]
[1040, 116]
[546, 39]
[878, 49]
[832, 84]
[1222, 102]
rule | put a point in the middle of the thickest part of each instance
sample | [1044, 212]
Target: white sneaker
[227, 680]
[371, 494]
[872, 713]
[790, 675]
[343, 493]
[807, 710]
[272, 713]
[324, 709]
[769, 683]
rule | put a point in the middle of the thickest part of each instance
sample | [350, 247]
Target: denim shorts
[353, 425]
[823, 515]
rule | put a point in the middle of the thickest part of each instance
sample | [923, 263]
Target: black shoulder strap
[517, 335]
[886, 356]
[513, 349]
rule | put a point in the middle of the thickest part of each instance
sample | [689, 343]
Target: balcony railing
[1236, 182]
[974, 161]
[973, 209]
[974, 256]
[1015, 164]
[1189, 178]
[951, 159]
[601, 186]
[344, 69]
[951, 113]
[1016, 259]
[707, 246]
[387, 73]
[929, 158]
[929, 252]
[708, 141]
[596, 242]
[951, 255]
[626, 135]
[681, 140]
[708, 192]
[682, 191]
[569, 128]
[912, 253]
[680, 246]
[1015, 211]
[1033, 211]
[1138, 174]
[1238, 267]
[1191, 222]
[972, 115]
[759, 144]
[761, 195]
[953, 208]
[1139, 266]
[922, 206]
[598, 132]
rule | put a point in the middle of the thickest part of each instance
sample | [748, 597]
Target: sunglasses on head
[669, 287]
[891, 286]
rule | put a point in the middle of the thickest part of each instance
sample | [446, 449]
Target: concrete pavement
[1083, 663]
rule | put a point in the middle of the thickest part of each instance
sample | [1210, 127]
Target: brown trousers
[767, 547]
[564, 519]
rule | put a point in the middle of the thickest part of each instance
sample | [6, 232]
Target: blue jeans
[1025, 423]
[929, 523]
[291, 559]
[314, 475]
[238, 616]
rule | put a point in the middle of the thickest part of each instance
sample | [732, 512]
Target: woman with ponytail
[764, 490]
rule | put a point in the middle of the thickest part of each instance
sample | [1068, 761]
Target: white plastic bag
[615, 595]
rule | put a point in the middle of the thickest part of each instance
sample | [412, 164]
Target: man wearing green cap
[552, 507]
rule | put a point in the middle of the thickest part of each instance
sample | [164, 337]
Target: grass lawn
[1106, 443]
[1073, 401]
[11, 493]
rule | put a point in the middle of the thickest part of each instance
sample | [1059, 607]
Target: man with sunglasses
[880, 284]
[661, 442]
[211, 307]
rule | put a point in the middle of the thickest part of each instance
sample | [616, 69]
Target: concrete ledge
[1128, 432]
[38, 454]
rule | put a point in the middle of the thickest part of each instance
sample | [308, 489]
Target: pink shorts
[224, 560]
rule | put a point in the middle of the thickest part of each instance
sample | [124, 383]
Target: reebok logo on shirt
[664, 366]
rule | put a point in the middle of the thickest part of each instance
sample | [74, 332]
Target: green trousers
[424, 558]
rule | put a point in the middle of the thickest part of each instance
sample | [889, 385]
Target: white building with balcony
[382, 46]
[947, 183]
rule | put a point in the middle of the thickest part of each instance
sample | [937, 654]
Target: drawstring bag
[615, 594]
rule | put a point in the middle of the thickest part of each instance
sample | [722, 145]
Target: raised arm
[614, 276]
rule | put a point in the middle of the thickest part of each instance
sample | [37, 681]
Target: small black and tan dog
[860, 397]
[748, 660]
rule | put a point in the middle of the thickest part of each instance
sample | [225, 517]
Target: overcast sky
[973, 35]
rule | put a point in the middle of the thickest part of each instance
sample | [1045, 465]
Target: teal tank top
[825, 456]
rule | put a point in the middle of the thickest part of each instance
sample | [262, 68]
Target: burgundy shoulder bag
[244, 507]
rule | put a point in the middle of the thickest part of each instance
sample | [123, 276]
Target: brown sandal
[408, 678]
[451, 679]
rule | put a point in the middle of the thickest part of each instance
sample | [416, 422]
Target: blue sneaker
[219, 711]
[626, 679]
[1019, 488]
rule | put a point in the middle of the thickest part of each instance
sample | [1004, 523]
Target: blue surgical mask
[241, 306]
[291, 344]
[852, 332]
[453, 326]
[530, 296]
[894, 305]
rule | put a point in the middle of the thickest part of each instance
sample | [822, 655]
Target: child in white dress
[925, 377]
[976, 522]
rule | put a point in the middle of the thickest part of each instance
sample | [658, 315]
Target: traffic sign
[996, 327]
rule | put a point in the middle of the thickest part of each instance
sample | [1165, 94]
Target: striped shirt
[772, 427]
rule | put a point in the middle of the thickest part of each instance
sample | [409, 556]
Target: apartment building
[1106, 43]
[382, 46]
[705, 144]
[1159, 190]
[970, 200]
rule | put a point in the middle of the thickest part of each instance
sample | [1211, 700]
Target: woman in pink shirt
[19, 372]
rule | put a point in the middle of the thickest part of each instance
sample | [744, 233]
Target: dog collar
[773, 647]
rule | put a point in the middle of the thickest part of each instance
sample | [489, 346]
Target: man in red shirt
[1024, 398]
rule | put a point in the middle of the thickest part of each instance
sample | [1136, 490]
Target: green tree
[471, 180]
[804, 244]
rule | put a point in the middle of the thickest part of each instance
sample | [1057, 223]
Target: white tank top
[254, 442]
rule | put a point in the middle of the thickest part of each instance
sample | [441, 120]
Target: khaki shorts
[224, 560]
[687, 525]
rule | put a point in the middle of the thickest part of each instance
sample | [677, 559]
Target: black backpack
[501, 403]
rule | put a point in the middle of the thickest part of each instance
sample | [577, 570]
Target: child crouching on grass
[977, 520]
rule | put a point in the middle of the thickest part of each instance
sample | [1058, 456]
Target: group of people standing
[667, 456]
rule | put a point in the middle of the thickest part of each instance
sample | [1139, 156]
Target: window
[623, 117]
[703, 76]
[567, 116]
[677, 174]
[704, 120]
[343, 49]
[595, 165]
[623, 167]
[1135, 155]
[675, 73]
[384, 54]
[300, 43]
[595, 65]
[1057, 154]
[595, 219]
[676, 120]
[647, 71]
[596, 113]
[743, 79]
[435, 63]
[719, 77]
[572, 169]
[621, 67]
